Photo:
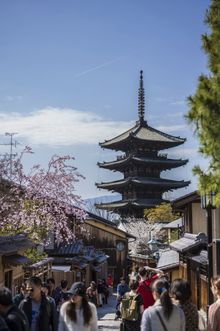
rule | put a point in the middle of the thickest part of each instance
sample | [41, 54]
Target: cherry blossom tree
[41, 201]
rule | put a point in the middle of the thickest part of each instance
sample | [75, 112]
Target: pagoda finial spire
[141, 103]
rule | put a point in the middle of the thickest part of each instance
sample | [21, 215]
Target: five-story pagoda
[141, 165]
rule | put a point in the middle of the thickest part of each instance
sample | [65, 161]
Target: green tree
[204, 111]
[160, 213]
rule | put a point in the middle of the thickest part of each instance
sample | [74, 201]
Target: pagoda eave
[143, 181]
[164, 164]
[157, 145]
[138, 203]
[142, 134]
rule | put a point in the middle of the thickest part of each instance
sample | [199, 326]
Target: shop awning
[64, 268]
[16, 259]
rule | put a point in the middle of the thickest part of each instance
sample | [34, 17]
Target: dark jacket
[18, 298]
[47, 319]
[16, 319]
[3, 325]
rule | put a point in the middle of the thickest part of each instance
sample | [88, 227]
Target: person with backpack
[3, 325]
[122, 288]
[132, 308]
[40, 311]
[147, 276]
[164, 315]
[14, 318]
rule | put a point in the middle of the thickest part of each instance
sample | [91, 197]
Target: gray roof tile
[168, 259]
[189, 241]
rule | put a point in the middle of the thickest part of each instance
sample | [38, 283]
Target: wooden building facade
[105, 236]
[12, 260]
[192, 247]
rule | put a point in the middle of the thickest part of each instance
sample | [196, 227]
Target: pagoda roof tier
[166, 184]
[142, 134]
[138, 203]
[161, 162]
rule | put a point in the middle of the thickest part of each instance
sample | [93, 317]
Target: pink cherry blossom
[41, 201]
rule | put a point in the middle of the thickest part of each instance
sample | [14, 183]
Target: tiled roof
[202, 258]
[189, 241]
[77, 261]
[16, 259]
[40, 263]
[100, 257]
[159, 161]
[100, 219]
[89, 253]
[68, 249]
[175, 224]
[78, 255]
[147, 203]
[168, 259]
[11, 244]
[145, 133]
[161, 182]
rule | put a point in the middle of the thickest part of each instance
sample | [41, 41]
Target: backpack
[17, 317]
[130, 308]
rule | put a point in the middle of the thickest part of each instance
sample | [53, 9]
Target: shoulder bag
[161, 320]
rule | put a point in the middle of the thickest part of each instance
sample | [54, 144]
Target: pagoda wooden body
[141, 165]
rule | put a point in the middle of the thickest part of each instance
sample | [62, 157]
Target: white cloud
[172, 128]
[60, 127]
[184, 152]
[11, 98]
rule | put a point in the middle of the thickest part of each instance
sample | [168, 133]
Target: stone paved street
[106, 315]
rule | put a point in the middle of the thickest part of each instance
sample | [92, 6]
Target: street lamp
[207, 203]
[153, 245]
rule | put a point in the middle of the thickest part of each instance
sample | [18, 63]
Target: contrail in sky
[98, 67]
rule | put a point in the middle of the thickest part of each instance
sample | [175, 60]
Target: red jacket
[145, 291]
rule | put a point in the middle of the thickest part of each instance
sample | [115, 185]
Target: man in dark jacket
[20, 296]
[3, 325]
[40, 311]
[14, 318]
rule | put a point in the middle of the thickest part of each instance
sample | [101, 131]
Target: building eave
[143, 181]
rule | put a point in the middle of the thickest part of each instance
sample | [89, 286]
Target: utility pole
[12, 143]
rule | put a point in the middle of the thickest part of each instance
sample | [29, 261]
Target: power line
[12, 143]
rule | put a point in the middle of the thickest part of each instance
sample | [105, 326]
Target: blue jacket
[122, 289]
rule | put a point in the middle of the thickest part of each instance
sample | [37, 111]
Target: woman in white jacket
[77, 314]
[163, 315]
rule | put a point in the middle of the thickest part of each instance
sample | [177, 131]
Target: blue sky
[70, 74]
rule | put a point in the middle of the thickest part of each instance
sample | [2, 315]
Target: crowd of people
[44, 307]
[149, 303]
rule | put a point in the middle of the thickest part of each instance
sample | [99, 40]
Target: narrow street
[106, 315]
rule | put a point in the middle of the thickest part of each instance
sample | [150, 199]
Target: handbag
[161, 321]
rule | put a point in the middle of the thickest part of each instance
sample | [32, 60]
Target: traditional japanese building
[141, 165]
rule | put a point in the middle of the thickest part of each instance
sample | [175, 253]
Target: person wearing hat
[77, 314]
